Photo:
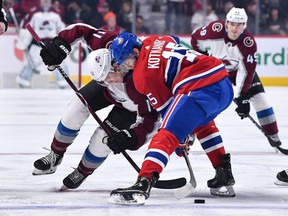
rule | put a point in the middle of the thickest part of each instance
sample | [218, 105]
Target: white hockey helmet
[99, 64]
[237, 15]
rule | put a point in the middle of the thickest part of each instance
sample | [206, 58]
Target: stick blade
[170, 184]
[184, 191]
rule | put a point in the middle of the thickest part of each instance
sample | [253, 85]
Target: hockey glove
[184, 147]
[243, 103]
[55, 52]
[203, 52]
[120, 141]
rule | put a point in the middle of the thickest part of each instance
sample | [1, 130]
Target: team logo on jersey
[248, 42]
[147, 47]
[217, 27]
[120, 40]
[97, 59]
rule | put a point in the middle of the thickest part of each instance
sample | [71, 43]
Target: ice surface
[28, 119]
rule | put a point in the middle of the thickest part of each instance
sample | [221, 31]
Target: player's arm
[160, 96]
[244, 77]
[200, 36]
[139, 133]
[246, 68]
[59, 48]
[150, 120]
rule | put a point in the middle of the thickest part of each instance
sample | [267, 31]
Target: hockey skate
[282, 178]
[47, 164]
[222, 184]
[136, 194]
[274, 140]
[23, 83]
[73, 180]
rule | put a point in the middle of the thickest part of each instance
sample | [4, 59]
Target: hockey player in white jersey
[230, 41]
[3, 20]
[47, 23]
[131, 111]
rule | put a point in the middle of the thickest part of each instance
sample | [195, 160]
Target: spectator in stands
[77, 12]
[115, 6]
[251, 13]
[111, 23]
[200, 18]
[197, 5]
[59, 8]
[140, 27]
[283, 5]
[124, 17]
[98, 15]
[275, 23]
[176, 6]
[23, 7]
[242, 3]
[188, 12]
[227, 6]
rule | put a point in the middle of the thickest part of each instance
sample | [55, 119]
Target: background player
[230, 41]
[47, 22]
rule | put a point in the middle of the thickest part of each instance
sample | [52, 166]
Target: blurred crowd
[181, 16]
[264, 16]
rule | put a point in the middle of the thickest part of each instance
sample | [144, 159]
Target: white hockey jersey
[47, 24]
[239, 57]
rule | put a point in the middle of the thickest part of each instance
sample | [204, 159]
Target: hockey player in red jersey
[230, 41]
[189, 90]
[132, 120]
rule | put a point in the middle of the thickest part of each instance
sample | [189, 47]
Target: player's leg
[96, 153]
[185, 113]
[264, 110]
[69, 126]
[24, 78]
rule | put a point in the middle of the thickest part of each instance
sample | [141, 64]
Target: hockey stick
[282, 150]
[165, 184]
[186, 190]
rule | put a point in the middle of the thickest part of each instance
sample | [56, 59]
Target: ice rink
[28, 119]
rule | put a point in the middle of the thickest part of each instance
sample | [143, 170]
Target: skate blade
[44, 172]
[225, 191]
[281, 183]
[63, 188]
[136, 199]
[184, 191]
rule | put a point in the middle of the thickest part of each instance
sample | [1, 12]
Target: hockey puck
[199, 200]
